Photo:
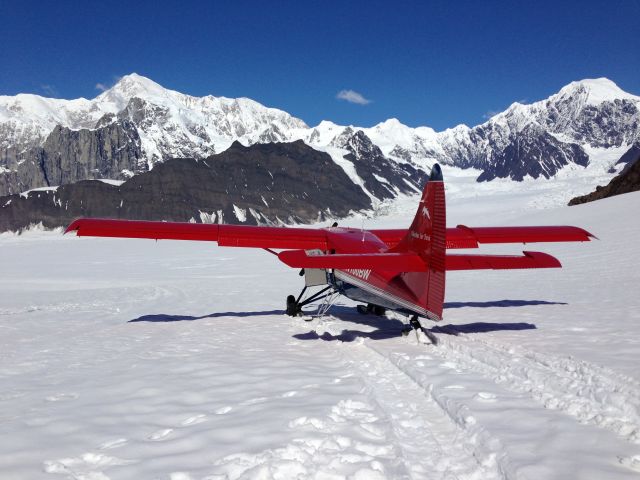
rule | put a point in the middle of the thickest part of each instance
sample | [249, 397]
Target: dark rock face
[610, 124]
[627, 181]
[532, 152]
[632, 155]
[539, 139]
[71, 155]
[382, 177]
[264, 183]
[504, 151]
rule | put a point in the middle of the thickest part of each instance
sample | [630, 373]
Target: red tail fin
[427, 238]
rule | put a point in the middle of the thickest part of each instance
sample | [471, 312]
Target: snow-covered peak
[134, 84]
[169, 123]
[131, 86]
[594, 91]
[324, 133]
[391, 124]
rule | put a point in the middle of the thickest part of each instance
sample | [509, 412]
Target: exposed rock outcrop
[112, 151]
[627, 181]
[382, 177]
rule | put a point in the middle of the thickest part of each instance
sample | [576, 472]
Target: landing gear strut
[294, 305]
[415, 325]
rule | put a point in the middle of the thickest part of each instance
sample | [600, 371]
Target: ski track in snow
[455, 449]
[590, 393]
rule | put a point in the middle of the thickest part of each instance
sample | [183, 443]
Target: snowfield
[134, 359]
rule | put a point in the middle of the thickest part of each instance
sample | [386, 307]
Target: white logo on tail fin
[425, 212]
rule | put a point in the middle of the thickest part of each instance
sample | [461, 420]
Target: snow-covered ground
[134, 359]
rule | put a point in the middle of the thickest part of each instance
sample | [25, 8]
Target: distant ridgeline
[134, 131]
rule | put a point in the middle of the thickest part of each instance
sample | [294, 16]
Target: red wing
[501, 262]
[469, 237]
[225, 235]
[401, 262]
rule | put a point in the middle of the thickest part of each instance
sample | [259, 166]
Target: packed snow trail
[433, 445]
[593, 394]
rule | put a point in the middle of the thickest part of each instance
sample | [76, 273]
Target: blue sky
[435, 63]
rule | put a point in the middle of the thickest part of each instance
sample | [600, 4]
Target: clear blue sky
[435, 63]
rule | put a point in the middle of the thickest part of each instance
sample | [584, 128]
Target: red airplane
[399, 270]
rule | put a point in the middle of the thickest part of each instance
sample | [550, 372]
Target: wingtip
[543, 260]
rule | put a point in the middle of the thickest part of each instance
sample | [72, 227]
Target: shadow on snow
[161, 317]
[500, 303]
[386, 328]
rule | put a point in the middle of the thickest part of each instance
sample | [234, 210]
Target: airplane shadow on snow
[390, 328]
[385, 328]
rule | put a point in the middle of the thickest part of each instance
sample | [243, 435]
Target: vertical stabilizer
[427, 237]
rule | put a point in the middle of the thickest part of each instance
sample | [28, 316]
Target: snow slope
[129, 359]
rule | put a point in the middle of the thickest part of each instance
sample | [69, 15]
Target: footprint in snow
[448, 365]
[179, 476]
[113, 444]
[87, 465]
[61, 397]
[194, 420]
[455, 387]
[631, 462]
[485, 397]
[254, 401]
[160, 434]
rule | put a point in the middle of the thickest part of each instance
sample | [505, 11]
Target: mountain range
[137, 124]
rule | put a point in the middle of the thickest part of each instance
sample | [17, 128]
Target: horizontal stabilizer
[400, 262]
[501, 262]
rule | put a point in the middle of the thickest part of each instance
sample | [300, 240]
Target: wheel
[292, 308]
[362, 309]
[378, 310]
